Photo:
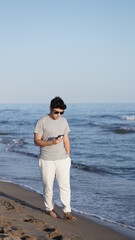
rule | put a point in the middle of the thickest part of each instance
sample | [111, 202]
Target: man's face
[56, 113]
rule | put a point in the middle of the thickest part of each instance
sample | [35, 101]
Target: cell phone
[59, 136]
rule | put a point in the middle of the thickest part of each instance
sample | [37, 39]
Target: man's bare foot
[52, 214]
[69, 216]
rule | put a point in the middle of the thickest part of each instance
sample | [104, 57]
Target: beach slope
[23, 217]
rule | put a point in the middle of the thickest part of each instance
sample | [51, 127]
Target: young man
[51, 134]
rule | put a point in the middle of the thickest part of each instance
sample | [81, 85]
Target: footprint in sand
[2, 233]
[33, 220]
[53, 233]
[8, 232]
[10, 206]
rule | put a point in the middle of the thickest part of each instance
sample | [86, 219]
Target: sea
[102, 139]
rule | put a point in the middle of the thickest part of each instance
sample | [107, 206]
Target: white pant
[60, 169]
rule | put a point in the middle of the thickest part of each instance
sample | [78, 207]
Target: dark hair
[57, 102]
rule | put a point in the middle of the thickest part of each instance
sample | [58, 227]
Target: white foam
[128, 118]
[104, 219]
[4, 180]
[17, 141]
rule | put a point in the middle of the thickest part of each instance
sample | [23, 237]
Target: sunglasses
[56, 112]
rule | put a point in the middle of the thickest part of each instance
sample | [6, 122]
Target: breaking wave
[123, 130]
[93, 169]
[128, 117]
[104, 170]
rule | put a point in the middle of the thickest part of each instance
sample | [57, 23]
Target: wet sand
[23, 217]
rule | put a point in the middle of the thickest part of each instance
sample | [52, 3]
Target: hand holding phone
[59, 136]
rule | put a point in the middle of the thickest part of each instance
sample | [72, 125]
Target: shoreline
[95, 218]
[22, 214]
[98, 219]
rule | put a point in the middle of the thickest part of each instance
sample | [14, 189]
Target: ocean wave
[11, 148]
[5, 180]
[17, 123]
[33, 155]
[18, 141]
[88, 124]
[13, 143]
[128, 117]
[110, 116]
[123, 130]
[93, 169]
[4, 122]
[104, 170]
[3, 133]
[12, 110]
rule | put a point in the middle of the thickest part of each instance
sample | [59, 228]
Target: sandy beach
[22, 216]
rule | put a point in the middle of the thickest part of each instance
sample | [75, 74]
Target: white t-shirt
[50, 128]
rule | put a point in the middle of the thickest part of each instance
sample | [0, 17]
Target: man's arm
[67, 144]
[41, 143]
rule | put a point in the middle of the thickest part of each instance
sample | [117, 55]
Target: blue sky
[81, 50]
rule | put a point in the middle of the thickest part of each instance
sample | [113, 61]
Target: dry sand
[23, 217]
